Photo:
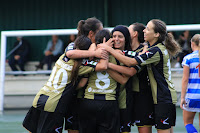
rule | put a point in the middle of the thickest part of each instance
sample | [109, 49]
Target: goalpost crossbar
[5, 34]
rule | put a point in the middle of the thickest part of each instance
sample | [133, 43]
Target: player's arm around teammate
[122, 41]
[88, 28]
[141, 105]
[53, 100]
[159, 71]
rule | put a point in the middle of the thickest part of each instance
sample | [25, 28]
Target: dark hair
[85, 26]
[82, 43]
[100, 36]
[124, 30]
[171, 45]
[139, 27]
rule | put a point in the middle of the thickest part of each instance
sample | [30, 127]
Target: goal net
[6, 34]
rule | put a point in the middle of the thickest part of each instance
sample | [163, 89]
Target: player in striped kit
[190, 94]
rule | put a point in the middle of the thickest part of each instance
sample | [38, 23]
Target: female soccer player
[133, 103]
[52, 102]
[159, 71]
[142, 107]
[89, 28]
[190, 94]
[122, 42]
[100, 97]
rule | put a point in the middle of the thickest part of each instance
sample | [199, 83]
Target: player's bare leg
[163, 131]
[73, 131]
[171, 130]
[145, 129]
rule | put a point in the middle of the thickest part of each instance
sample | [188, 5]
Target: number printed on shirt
[197, 67]
[102, 78]
[56, 76]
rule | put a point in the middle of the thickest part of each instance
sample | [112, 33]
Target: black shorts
[125, 121]
[98, 116]
[143, 109]
[165, 115]
[71, 121]
[125, 114]
[37, 121]
[71, 118]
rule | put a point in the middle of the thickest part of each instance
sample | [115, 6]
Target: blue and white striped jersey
[193, 88]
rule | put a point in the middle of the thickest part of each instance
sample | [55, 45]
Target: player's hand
[182, 103]
[145, 49]
[109, 42]
[101, 53]
[105, 44]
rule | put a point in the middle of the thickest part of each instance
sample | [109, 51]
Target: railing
[41, 72]
[28, 72]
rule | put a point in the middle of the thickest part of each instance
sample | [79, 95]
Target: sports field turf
[10, 122]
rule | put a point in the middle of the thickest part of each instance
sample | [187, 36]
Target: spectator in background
[20, 54]
[52, 52]
[184, 42]
[71, 39]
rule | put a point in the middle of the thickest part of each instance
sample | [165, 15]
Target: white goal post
[5, 34]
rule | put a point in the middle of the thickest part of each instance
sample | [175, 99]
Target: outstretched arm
[92, 52]
[76, 54]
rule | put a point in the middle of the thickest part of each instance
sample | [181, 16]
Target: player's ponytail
[172, 46]
[85, 26]
[82, 43]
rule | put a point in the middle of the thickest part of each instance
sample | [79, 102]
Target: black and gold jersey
[159, 72]
[122, 94]
[138, 82]
[57, 92]
[101, 86]
[122, 101]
